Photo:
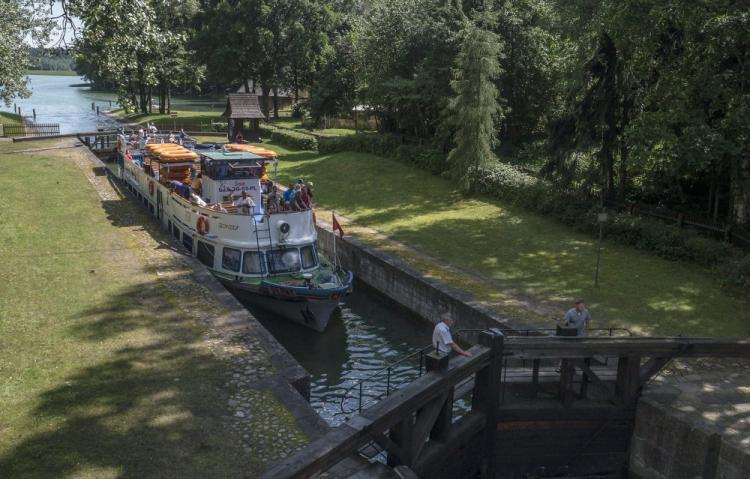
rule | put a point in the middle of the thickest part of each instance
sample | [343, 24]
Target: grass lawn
[101, 375]
[57, 73]
[295, 124]
[7, 118]
[527, 256]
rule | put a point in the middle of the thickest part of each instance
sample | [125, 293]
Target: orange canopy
[257, 150]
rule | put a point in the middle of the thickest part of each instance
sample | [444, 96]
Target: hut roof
[243, 106]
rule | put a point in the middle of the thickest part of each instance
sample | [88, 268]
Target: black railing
[31, 129]
[405, 378]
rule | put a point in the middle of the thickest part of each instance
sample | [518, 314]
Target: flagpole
[335, 258]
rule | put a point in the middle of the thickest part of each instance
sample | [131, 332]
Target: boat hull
[314, 313]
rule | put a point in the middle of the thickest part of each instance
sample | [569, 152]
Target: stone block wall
[670, 444]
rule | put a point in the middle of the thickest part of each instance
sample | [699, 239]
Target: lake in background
[57, 101]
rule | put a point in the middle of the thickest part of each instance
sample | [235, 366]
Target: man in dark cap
[578, 317]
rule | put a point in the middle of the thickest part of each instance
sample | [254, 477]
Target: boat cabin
[227, 173]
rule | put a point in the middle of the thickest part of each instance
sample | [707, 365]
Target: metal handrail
[421, 352]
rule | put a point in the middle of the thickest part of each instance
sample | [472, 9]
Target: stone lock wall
[426, 297]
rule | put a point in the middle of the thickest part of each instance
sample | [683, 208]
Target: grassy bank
[104, 370]
[57, 73]
[7, 118]
[526, 256]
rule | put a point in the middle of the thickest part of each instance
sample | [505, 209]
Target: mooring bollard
[97, 110]
[33, 110]
[92, 106]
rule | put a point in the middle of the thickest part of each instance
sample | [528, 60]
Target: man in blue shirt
[578, 317]
[289, 195]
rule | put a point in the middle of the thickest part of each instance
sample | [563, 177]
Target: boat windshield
[230, 170]
[283, 260]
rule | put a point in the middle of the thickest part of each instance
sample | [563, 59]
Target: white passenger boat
[269, 256]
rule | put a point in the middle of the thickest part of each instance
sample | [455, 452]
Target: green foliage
[386, 146]
[289, 138]
[737, 273]
[475, 109]
[15, 24]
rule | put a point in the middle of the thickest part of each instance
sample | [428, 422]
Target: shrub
[388, 146]
[737, 273]
[289, 138]
[708, 252]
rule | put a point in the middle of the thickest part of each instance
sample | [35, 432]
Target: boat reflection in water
[366, 334]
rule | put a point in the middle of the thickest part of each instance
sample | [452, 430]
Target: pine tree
[475, 110]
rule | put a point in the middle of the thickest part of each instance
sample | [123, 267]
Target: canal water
[56, 100]
[367, 334]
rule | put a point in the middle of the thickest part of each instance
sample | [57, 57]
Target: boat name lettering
[225, 187]
[228, 227]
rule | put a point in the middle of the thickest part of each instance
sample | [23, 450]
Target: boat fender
[202, 225]
[283, 227]
[151, 188]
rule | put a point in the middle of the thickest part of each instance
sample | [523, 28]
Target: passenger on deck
[289, 196]
[298, 203]
[197, 184]
[245, 205]
[195, 199]
[273, 201]
[218, 207]
[303, 198]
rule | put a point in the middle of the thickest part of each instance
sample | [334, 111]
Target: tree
[474, 110]
[17, 21]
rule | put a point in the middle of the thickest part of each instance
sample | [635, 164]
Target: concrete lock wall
[426, 297]
[669, 445]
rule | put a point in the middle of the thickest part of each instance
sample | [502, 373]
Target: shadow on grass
[148, 410]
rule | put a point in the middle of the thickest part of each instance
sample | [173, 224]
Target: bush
[289, 138]
[737, 273]
[708, 252]
[387, 146]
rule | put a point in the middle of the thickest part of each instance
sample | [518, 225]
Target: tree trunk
[740, 191]
[247, 85]
[169, 98]
[296, 86]
[275, 102]
[265, 90]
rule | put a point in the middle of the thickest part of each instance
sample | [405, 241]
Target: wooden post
[486, 397]
[33, 111]
[567, 373]
[585, 379]
[439, 363]
[628, 380]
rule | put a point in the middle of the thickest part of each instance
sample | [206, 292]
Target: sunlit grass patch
[531, 257]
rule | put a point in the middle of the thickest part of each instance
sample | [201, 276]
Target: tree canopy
[646, 101]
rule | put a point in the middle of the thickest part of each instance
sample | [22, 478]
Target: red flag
[337, 226]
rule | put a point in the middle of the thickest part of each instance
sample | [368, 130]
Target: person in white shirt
[245, 204]
[442, 339]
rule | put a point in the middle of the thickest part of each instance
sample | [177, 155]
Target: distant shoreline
[56, 73]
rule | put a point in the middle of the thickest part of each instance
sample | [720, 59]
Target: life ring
[238, 137]
[202, 225]
[151, 188]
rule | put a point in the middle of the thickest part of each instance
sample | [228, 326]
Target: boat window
[187, 241]
[309, 258]
[175, 231]
[231, 259]
[283, 260]
[206, 254]
[253, 263]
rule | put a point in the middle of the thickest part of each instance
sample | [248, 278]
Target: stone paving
[267, 430]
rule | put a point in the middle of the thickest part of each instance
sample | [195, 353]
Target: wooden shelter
[243, 114]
